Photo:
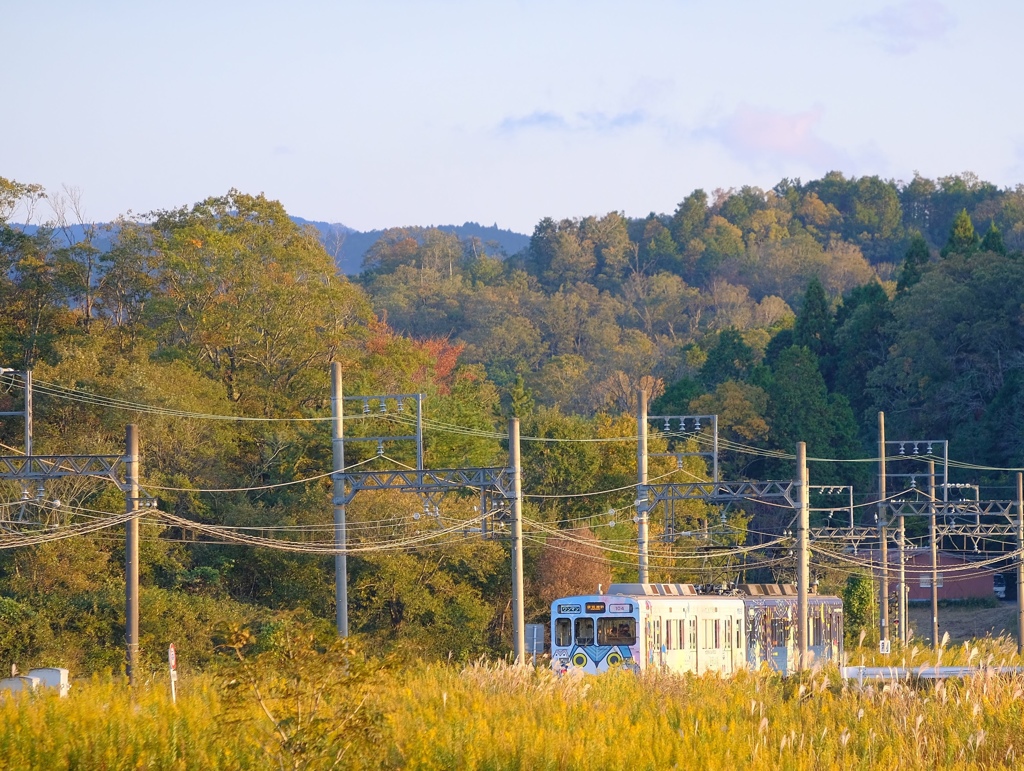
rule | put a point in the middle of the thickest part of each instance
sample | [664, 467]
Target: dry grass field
[313, 713]
[964, 623]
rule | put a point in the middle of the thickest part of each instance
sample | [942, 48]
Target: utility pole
[883, 536]
[933, 541]
[803, 571]
[340, 534]
[902, 572]
[518, 617]
[642, 536]
[131, 551]
[1020, 563]
[27, 375]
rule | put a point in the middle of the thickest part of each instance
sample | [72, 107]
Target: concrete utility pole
[933, 541]
[901, 534]
[803, 570]
[642, 534]
[518, 617]
[1020, 563]
[883, 535]
[340, 534]
[27, 375]
[131, 551]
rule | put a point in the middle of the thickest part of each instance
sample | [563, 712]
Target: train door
[781, 637]
[659, 643]
[705, 643]
[739, 656]
[755, 636]
[648, 639]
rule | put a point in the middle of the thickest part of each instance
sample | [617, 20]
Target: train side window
[668, 635]
[739, 633]
[728, 633]
[718, 633]
[779, 632]
[563, 632]
[616, 631]
[584, 631]
[693, 633]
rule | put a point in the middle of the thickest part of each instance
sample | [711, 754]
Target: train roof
[691, 590]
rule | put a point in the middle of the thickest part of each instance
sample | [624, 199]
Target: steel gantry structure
[715, 491]
[499, 488]
[33, 470]
[718, 492]
[972, 520]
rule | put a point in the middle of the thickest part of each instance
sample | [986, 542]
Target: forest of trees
[795, 314]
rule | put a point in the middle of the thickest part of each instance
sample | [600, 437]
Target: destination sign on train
[568, 608]
[627, 608]
[595, 607]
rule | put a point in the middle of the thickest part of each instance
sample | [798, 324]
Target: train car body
[674, 628]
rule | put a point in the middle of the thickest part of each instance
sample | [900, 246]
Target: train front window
[563, 632]
[584, 631]
[616, 631]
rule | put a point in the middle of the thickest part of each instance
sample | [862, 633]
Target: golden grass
[492, 716]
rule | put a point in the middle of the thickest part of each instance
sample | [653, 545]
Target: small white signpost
[172, 661]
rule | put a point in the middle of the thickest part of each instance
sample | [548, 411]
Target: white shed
[19, 683]
[52, 677]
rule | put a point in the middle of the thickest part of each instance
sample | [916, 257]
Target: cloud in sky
[592, 122]
[762, 137]
[900, 29]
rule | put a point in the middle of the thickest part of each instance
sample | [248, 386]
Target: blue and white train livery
[675, 628]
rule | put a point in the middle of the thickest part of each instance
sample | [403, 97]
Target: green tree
[729, 358]
[947, 357]
[815, 323]
[962, 237]
[253, 298]
[690, 218]
[914, 262]
[993, 240]
[800, 409]
[862, 338]
[858, 605]
[677, 397]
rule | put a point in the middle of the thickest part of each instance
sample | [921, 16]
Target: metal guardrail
[861, 674]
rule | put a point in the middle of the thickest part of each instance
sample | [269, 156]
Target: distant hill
[348, 246]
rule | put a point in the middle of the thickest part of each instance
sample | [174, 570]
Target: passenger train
[676, 628]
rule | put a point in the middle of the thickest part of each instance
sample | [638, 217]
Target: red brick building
[958, 578]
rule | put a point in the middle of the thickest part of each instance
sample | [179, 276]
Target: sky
[391, 113]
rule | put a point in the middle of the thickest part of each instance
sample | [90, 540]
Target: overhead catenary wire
[533, 538]
[73, 394]
[315, 548]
